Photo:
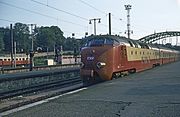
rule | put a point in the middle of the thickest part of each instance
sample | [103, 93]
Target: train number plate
[90, 58]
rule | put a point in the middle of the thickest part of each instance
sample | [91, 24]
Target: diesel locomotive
[105, 57]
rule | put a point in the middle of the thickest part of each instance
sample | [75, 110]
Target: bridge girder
[157, 36]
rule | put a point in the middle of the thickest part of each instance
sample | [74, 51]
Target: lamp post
[32, 35]
[95, 19]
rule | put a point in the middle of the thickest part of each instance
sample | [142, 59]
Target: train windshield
[100, 42]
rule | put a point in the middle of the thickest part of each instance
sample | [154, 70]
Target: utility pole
[128, 8]
[109, 23]
[15, 54]
[99, 21]
[12, 44]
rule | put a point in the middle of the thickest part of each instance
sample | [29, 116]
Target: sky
[72, 16]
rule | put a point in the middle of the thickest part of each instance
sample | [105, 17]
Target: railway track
[41, 87]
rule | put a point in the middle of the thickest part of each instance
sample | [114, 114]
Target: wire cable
[7, 20]
[41, 14]
[60, 10]
[92, 7]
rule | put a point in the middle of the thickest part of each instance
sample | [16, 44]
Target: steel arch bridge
[157, 36]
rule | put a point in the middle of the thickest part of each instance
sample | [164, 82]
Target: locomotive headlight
[100, 64]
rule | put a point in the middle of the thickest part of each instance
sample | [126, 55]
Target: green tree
[69, 44]
[6, 39]
[21, 36]
[48, 37]
[1, 40]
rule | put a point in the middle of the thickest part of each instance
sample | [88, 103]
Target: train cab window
[108, 41]
[101, 42]
[95, 42]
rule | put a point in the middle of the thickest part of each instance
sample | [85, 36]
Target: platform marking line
[39, 102]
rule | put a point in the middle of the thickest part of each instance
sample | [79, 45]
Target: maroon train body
[106, 57]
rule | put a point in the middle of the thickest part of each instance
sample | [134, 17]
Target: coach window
[9, 59]
[131, 52]
[1, 60]
[5, 59]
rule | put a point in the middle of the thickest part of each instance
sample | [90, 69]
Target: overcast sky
[72, 16]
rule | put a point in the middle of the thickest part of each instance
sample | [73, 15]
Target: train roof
[130, 42]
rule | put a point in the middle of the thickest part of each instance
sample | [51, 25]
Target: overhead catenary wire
[92, 7]
[66, 12]
[47, 5]
[106, 14]
[7, 20]
[115, 17]
[55, 18]
[86, 3]
[51, 17]
[38, 14]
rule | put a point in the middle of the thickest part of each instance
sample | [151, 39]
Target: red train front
[97, 59]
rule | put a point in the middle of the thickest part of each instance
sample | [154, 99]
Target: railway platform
[151, 93]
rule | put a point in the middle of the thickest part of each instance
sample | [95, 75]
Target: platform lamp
[95, 19]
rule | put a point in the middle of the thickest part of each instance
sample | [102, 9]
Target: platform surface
[151, 93]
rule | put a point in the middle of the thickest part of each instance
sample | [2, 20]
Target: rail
[28, 82]
[36, 68]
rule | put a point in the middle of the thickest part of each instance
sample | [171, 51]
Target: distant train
[20, 61]
[106, 57]
[23, 61]
[70, 59]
